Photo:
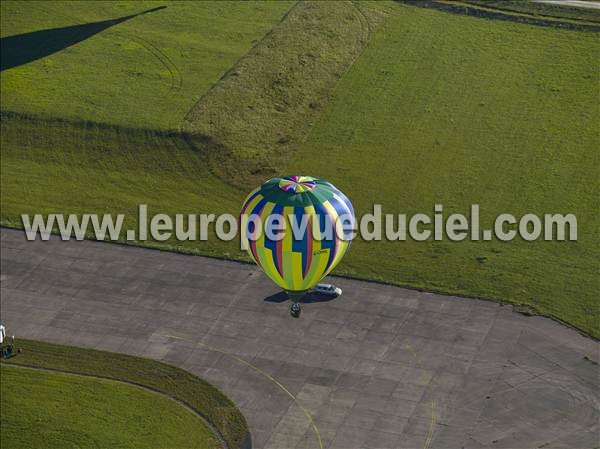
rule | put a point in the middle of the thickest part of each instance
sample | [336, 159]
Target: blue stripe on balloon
[256, 211]
[342, 209]
[346, 202]
[250, 198]
[270, 229]
[259, 207]
[331, 257]
[300, 245]
[328, 240]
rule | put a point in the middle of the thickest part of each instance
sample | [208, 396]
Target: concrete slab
[379, 368]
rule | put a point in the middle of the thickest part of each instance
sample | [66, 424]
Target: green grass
[51, 409]
[145, 72]
[466, 111]
[263, 108]
[48, 167]
[169, 380]
[437, 108]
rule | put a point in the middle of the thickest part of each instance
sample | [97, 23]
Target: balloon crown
[297, 184]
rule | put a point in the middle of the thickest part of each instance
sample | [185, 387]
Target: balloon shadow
[308, 298]
[28, 47]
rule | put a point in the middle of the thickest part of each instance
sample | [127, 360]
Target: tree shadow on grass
[24, 48]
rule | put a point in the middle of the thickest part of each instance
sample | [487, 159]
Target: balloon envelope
[316, 235]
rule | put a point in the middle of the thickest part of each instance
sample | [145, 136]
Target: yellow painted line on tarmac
[267, 376]
[431, 426]
[433, 419]
[414, 353]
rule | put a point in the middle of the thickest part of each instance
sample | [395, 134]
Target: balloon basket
[295, 297]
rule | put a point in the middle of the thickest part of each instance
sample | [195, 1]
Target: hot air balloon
[315, 233]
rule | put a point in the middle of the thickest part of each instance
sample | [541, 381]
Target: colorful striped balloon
[299, 260]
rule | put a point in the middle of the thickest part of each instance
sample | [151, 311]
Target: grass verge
[53, 409]
[199, 395]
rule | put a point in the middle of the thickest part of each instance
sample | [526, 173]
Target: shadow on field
[308, 298]
[24, 48]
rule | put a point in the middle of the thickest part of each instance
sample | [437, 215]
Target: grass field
[264, 107]
[496, 114]
[44, 165]
[169, 380]
[51, 409]
[146, 72]
[436, 108]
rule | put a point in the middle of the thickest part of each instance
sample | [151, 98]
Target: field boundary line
[235, 64]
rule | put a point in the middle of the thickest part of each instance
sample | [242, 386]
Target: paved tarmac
[379, 367]
[575, 3]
